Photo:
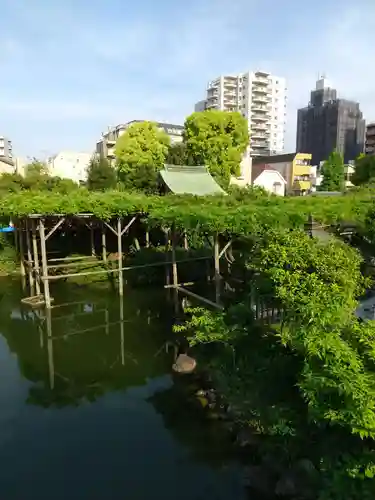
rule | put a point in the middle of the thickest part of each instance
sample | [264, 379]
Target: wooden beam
[55, 228]
[225, 249]
[62, 259]
[128, 226]
[22, 252]
[127, 268]
[199, 297]
[111, 228]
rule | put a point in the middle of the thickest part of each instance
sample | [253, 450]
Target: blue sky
[70, 68]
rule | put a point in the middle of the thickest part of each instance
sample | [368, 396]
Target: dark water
[89, 409]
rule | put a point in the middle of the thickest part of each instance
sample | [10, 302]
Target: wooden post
[122, 330]
[186, 246]
[147, 238]
[42, 235]
[167, 273]
[174, 263]
[217, 268]
[92, 241]
[174, 271]
[119, 250]
[36, 257]
[22, 256]
[51, 366]
[29, 259]
[104, 244]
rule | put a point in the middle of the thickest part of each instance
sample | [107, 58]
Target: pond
[89, 408]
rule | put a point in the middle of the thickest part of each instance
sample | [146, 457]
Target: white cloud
[70, 63]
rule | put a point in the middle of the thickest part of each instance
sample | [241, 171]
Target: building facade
[6, 149]
[70, 165]
[328, 124]
[370, 139]
[295, 168]
[261, 98]
[106, 146]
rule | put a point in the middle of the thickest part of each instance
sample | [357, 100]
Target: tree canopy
[140, 154]
[101, 175]
[364, 170]
[217, 139]
[333, 172]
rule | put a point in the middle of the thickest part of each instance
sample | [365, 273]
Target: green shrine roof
[183, 179]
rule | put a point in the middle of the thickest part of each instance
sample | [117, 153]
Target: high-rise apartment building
[261, 98]
[370, 139]
[328, 124]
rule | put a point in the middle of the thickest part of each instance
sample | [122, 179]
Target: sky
[72, 68]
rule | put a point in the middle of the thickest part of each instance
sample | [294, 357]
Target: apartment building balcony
[260, 81]
[259, 108]
[258, 135]
[110, 143]
[370, 130]
[261, 98]
[259, 144]
[260, 117]
[259, 126]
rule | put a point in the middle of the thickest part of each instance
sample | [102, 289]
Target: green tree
[218, 140]
[140, 153]
[11, 182]
[364, 170]
[333, 172]
[177, 154]
[101, 175]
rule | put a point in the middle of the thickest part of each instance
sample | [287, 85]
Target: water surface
[89, 408]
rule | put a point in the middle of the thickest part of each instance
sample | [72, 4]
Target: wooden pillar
[36, 257]
[104, 244]
[43, 249]
[167, 273]
[119, 250]
[51, 365]
[174, 263]
[22, 256]
[122, 330]
[174, 271]
[92, 240]
[217, 268]
[147, 238]
[30, 267]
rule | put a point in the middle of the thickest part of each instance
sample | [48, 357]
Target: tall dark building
[329, 124]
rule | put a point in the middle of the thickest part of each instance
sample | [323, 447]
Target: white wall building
[69, 165]
[261, 98]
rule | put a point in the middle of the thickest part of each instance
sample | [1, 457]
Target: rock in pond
[184, 364]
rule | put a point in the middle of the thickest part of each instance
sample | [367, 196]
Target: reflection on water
[89, 409]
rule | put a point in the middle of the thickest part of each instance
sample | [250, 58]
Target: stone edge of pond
[270, 478]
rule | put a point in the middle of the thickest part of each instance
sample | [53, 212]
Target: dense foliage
[364, 170]
[218, 140]
[241, 213]
[101, 175]
[140, 154]
[333, 173]
[36, 178]
[319, 347]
